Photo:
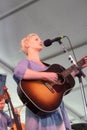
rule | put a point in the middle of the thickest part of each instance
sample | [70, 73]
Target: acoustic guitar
[43, 97]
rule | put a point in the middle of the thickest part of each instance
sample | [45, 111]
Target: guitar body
[43, 97]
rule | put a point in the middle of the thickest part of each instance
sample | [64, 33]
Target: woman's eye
[36, 39]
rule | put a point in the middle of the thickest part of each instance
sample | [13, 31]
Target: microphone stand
[79, 75]
[83, 94]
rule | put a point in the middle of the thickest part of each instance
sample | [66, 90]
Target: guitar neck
[72, 68]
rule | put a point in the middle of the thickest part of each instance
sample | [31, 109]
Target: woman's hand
[85, 62]
[50, 76]
[77, 70]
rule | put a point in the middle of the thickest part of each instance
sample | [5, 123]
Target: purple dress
[57, 120]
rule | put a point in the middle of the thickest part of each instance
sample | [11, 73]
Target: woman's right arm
[50, 76]
[22, 71]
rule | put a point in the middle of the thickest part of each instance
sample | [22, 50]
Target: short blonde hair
[25, 41]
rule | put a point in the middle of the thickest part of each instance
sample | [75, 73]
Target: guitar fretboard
[77, 67]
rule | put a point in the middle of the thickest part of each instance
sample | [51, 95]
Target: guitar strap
[46, 64]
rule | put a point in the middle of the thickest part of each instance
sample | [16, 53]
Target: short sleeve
[21, 68]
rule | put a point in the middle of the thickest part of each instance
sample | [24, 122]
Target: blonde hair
[25, 41]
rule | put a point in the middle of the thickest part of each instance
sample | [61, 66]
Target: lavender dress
[57, 120]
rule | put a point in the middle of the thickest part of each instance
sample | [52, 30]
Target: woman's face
[35, 42]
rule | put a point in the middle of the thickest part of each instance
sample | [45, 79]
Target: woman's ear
[26, 42]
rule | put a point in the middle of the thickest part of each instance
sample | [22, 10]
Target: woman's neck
[34, 56]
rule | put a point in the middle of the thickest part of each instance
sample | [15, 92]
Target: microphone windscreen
[47, 42]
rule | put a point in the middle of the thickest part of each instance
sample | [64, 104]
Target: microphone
[49, 42]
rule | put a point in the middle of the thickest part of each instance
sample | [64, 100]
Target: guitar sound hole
[61, 79]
